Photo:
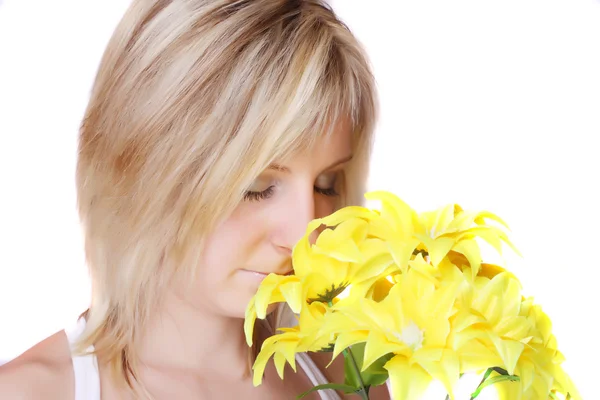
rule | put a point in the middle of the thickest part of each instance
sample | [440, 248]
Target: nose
[291, 227]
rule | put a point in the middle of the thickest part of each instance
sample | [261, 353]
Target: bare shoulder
[43, 371]
[335, 373]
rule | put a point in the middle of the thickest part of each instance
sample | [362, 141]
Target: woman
[216, 130]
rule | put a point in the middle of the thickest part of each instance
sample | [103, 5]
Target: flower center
[330, 294]
[411, 335]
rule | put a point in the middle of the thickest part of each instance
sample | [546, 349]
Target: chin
[240, 312]
[237, 299]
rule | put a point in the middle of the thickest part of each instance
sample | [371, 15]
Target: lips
[290, 272]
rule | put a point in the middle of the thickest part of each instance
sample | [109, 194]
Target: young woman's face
[257, 239]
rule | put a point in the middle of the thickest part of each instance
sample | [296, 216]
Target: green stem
[485, 376]
[362, 392]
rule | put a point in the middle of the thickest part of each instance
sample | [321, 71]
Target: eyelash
[257, 196]
[331, 192]
[268, 192]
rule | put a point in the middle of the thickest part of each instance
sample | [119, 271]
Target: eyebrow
[281, 168]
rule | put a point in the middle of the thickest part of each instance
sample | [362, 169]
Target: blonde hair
[192, 101]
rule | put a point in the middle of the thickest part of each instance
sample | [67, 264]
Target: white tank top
[87, 377]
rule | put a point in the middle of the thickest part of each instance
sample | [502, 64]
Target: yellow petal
[494, 236]
[481, 216]
[438, 248]
[365, 288]
[402, 251]
[347, 213]
[526, 373]
[491, 270]
[343, 319]
[462, 220]
[285, 344]
[516, 328]
[354, 229]
[470, 249]
[437, 221]
[464, 319]
[381, 229]
[407, 381]
[342, 241]
[476, 356]
[373, 268]
[373, 247]
[379, 289]
[268, 292]
[292, 293]
[344, 251]
[508, 350]
[464, 337]
[347, 339]
[288, 349]
[249, 320]
[279, 360]
[378, 346]
[543, 323]
[395, 211]
[424, 268]
[564, 384]
[261, 363]
[446, 369]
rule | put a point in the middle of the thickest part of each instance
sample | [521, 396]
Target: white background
[490, 104]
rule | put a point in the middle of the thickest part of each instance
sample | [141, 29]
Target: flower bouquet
[407, 300]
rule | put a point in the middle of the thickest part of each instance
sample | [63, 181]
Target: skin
[195, 348]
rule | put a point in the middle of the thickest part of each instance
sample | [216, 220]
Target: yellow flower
[273, 289]
[489, 312]
[497, 327]
[434, 232]
[396, 224]
[414, 289]
[539, 366]
[343, 255]
[307, 336]
[413, 323]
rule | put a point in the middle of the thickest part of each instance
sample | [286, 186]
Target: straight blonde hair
[193, 99]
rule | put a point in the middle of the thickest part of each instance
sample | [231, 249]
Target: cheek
[230, 244]
[324, 206]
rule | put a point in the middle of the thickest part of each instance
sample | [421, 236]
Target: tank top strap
[316, 376]
[85, 367]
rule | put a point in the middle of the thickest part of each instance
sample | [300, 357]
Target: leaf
[334, 386]
[374, 375]
[358, 352]
[491, 381]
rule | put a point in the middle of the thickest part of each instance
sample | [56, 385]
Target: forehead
[341, 135]
[336, 142]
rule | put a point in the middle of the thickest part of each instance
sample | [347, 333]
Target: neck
[182, 337]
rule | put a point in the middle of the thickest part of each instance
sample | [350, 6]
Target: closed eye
[257, 196]
[268, 193]
[327, 191]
